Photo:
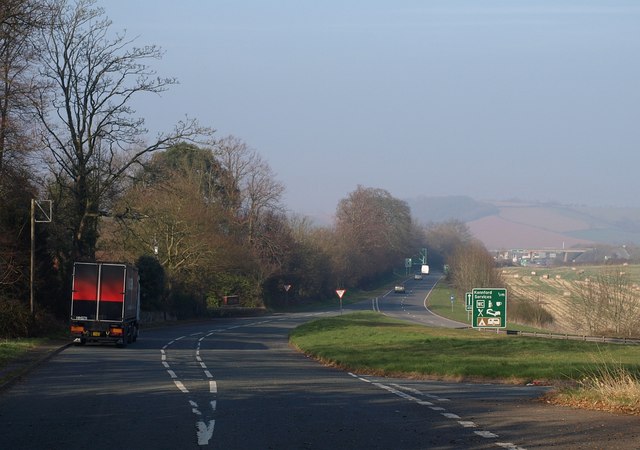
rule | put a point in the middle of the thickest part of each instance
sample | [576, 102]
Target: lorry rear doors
[98, 291]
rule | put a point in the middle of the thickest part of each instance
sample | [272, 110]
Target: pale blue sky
[530, 99]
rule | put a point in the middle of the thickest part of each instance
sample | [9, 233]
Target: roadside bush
[185, 303]
[529, 312]
[15, 319]
[231, 284]
[46, 324]
[152, 284]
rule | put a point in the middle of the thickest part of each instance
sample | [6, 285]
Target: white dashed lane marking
[401, 391]
[204, 428]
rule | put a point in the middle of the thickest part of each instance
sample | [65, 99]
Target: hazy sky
[530, 99]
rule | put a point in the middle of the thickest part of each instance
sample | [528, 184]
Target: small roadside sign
[340, 293]
[468, 301]
[489, 308]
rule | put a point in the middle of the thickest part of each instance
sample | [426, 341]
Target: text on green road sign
[489, 308]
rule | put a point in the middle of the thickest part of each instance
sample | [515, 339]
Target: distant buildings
[559, 256]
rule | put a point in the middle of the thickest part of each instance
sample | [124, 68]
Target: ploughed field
[558, 289]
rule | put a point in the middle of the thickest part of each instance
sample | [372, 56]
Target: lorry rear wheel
[125, 338]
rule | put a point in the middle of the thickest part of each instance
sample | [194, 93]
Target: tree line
[200, 215]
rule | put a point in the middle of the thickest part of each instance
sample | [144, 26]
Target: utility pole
[46, 217]
[33, 252]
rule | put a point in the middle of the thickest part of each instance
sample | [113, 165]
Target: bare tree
[177, 210]
[19, 19]
[472, 266]
[608, 303]
[375, 231]
[443, 238]
[257, 192]
[85, 108]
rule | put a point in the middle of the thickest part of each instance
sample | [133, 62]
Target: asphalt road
[236, 384]
[412, 304]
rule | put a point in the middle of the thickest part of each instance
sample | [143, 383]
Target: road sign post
[340, 293]
[489, 308]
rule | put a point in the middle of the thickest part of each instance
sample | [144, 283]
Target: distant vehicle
[399, 289]
[417, 276]
[424, 269]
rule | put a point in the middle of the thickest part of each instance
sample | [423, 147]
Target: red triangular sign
[340, 292]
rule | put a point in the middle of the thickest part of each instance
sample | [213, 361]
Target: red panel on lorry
[112, 283]
[85, 282]
[84, 302]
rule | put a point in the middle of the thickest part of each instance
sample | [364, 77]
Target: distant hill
[514, 224]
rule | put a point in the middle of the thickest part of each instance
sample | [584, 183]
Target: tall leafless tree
[376, 233]
[92, 135]
[472, 266]
[257, 192]
[19, 20]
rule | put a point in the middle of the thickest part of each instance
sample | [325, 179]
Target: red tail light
[116, 332]
[77, 329]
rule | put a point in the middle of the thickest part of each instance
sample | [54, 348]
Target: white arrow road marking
[204, 428]
[204, 432]
[194, 408]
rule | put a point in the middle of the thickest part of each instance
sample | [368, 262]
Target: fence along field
[582, 300]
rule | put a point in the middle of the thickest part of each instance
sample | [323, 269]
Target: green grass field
[372, 343]
[11, 349]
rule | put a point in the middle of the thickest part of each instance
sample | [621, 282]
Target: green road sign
[468, 301]
[489, 308]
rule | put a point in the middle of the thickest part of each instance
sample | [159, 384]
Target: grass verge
[370, 343]
[17, 356]
[11, 349]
